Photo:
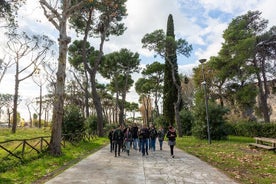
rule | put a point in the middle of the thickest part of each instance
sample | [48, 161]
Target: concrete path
[156, 168]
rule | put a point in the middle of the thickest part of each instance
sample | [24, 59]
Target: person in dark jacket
[110, 135]
[144, 136]
[153, 135]
[117, 138]
[171, 135]
[134, 131]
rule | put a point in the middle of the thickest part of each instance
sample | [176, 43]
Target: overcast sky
[200, 22]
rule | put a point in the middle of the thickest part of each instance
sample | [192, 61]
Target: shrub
[186, 119]
[216, 122]
[73, 123]
[160, 121]
[91, 125]
[254, 129]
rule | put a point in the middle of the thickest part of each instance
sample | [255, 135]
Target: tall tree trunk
[178, 101]
[263, 106]
[84, 57]
[266, 92]
[15, 100]
[156, 104]
[98, 105]
[40, 106]
[64, 40]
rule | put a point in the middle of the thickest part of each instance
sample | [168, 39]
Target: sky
[200, 22]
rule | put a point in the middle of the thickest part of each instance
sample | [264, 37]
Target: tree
[4, 67]
[8, 11]
[171, 79]
[39, 78]
[6, 101]
[245, 56]
[167, 47]
[265, 54]
[31, 49]
[143, 87]
[59, 21]
[132, 107]
[155, 73]
[108, 23]
[75, 59]
[188, 90]
[118, 66]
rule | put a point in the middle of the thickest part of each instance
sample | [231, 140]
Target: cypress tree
[170, 90]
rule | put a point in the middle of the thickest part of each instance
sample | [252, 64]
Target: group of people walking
[141, 139]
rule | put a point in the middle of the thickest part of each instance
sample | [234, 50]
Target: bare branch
[52, 15]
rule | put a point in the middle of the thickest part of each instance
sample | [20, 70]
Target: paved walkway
[156, 168]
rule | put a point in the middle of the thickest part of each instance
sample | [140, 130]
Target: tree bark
[55, 146]
[263, 106]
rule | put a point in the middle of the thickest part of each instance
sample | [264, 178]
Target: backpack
[117, 135]
[161, 135]
[153, 133]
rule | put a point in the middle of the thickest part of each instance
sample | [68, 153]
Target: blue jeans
[161, 144]
[127, 144]
[144, 146]
[135, 143]
[152, 143]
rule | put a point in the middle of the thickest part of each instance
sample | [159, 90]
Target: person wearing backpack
[135, 140]
[117, 139]
[161, 135]
[143, 135]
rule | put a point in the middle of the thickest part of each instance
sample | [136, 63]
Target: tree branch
[49, 16]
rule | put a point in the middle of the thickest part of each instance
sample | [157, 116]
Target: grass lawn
[41, 168]
[235, 158]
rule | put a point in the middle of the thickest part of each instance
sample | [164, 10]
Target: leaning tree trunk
[95, 95]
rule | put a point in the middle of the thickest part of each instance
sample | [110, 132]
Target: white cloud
[230, 6]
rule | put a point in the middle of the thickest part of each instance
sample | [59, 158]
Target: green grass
[235, 158]
[23, 133]
[42, 167]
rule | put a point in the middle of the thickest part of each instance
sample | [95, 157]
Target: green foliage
[170, 90]
[73, 123]
[254, 129]
[186, 118]
[91, 125]
[216, 122]
[246, 96]
[160, 121]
